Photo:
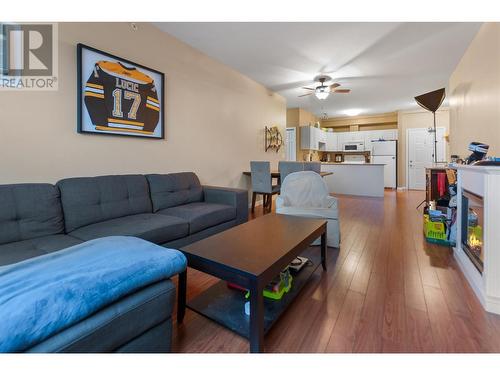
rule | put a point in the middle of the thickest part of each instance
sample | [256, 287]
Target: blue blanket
[42, 296]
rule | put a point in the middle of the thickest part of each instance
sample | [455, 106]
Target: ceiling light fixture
[353, 112]
[322, 92]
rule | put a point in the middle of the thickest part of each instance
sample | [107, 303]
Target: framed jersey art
[118, 97]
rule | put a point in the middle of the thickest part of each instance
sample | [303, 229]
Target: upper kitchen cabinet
[332, 141]
[376, 135]
[386, 122]
[321, 135]
[342, 137]
[310, 138]
[386, 135]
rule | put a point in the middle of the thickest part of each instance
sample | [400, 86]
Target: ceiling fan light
[322, 92]
[322, 95]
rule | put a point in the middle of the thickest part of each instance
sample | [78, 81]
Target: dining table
[276, 174]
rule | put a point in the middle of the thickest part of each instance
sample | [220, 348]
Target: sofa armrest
[237, 198]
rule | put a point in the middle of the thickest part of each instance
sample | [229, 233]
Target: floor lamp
[431, 102]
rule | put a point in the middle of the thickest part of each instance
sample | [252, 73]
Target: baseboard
[401, 188]
[493, 305]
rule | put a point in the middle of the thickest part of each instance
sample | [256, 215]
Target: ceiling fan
[323, 91]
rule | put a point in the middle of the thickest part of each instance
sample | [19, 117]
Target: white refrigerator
[386, 152]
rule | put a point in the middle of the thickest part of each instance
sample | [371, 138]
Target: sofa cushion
[175, 189]
[201, 215]
[21, 250]
[29, 211]
[116, 324]
[151, 227]
[63, 288]
[89, 200]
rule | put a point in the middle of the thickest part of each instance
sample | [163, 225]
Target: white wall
[214, 123]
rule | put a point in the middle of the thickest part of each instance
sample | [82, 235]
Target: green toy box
[435, 231]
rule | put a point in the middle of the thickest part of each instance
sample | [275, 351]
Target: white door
[421, 154]
[291, 144]
[441, 145]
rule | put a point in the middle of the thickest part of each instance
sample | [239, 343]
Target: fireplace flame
[474, 241]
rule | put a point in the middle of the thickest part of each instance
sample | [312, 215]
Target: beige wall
[417, 119]
[307, 118]
[214, 123]
[475, 94]
[297, 117]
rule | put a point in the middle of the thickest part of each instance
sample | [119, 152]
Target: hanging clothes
[441, 183]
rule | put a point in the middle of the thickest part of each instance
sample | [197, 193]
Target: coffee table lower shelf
[226, 306]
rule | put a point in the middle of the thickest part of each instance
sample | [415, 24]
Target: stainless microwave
[353, 146]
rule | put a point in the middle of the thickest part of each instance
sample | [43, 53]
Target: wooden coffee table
[251, 255]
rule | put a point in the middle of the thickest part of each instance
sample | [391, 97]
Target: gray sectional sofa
[170, 210]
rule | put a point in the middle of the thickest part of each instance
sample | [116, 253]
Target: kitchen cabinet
[375, 135]
[309, 138]
[352, 136]
[332, 141]
[355, 178]
[386, 134]
[321, 135]
[370, 135]
[347, 137]
[356, 137]
[312, 138]
[343, 137]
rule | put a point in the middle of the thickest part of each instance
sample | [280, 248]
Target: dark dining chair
[314, 166]
[287, 167]
[262, 184]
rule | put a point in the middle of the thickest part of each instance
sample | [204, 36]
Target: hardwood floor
[388, 290]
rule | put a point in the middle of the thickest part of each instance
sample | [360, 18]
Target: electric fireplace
[477, 248]
[472, 228]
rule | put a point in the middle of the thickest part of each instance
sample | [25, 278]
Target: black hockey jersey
[119, 98]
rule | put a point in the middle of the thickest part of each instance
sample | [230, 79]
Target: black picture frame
[81, 106]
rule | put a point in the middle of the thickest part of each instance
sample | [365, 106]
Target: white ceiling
[384, 64]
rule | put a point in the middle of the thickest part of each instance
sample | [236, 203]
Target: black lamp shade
[432, 100]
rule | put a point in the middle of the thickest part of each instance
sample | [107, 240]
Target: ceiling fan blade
[308, 88]
[334, 85]
[290, 85]
[310, 93]
[342, 91]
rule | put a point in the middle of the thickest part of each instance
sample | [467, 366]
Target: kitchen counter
[363, 179]
[364, 164]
